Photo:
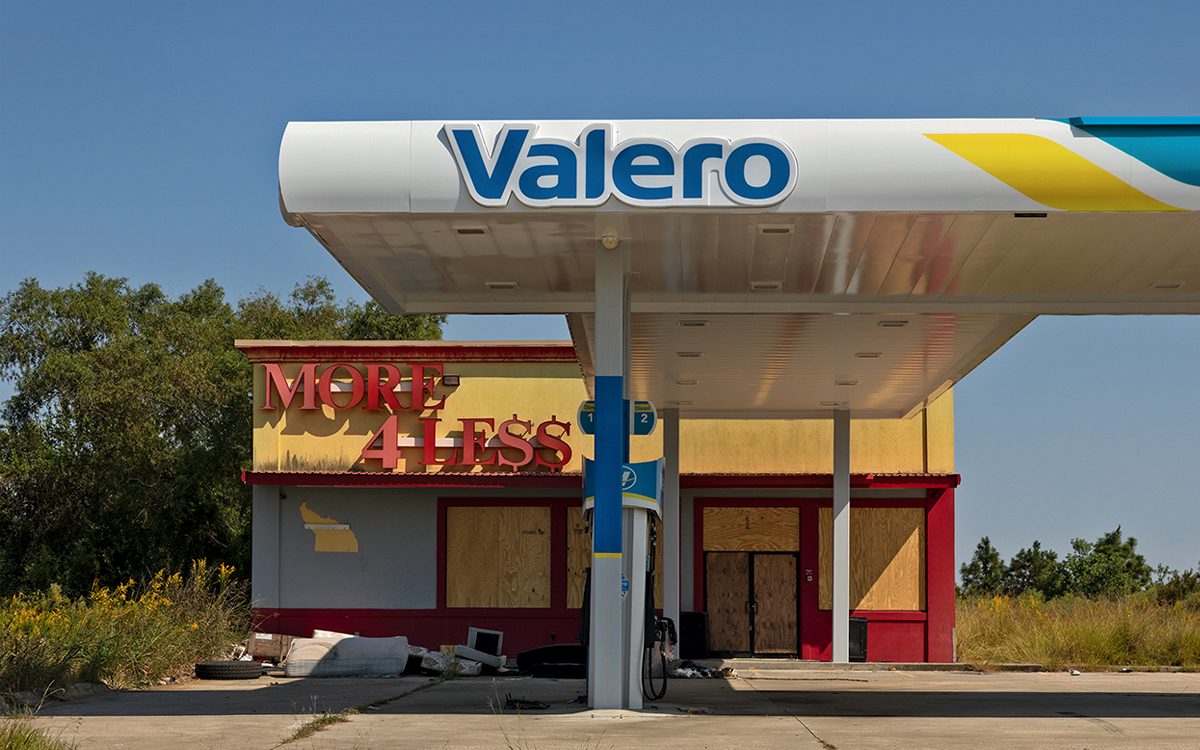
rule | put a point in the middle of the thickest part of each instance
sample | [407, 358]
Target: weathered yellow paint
[923, 443]
[939, 437]
[329, 540]
[332, 440]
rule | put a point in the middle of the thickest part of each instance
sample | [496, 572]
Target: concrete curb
[742, 666]
[25, 699]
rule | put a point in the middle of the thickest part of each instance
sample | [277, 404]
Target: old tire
[228, 670]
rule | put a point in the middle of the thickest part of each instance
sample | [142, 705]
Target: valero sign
[550, 172]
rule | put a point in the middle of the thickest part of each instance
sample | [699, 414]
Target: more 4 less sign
[391, 390]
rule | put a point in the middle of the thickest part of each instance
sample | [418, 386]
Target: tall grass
[1076, 631]
[124, 636]
[18, 732]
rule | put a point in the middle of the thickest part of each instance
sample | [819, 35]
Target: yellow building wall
[332, 440]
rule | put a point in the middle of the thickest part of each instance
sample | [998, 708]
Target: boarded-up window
[579, 558]
[887, 558]
[751, 529]
[498, 556]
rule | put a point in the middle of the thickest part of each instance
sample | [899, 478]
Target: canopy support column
[841, 536]
[669, 554]
[606, 657]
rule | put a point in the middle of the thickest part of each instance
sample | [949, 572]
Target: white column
[636, 535]
[668, 546]
[605, 653]
[841, 535]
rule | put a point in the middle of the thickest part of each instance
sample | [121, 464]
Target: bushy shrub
[125, 635]
[1180, 588]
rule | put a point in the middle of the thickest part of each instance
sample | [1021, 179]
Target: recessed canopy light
[450, 380]
[847, 382]
[776, 229]
[500, 285]
[892, 323]
[470, 230]
[867, 355]
[1167, 284]
[680, 403]
[685, 382]
[1028, 215]
[689, 355]
[766, 286]
[693, 323]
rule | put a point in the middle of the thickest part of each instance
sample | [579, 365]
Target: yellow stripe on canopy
[1048, 172]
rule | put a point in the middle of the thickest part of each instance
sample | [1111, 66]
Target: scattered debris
[267, 647]
[696, 710]
[688, 669]
[449, 664]
[466, 652]
[520, 704]
[1075, 672]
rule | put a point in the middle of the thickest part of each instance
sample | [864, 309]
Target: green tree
[984, 574]
[312, 313]
[121, 448]
[1034, 569]
[1110, 567]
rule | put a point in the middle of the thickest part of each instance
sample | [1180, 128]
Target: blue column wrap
[609, 449]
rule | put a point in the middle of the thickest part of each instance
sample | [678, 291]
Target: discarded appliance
[483, 646]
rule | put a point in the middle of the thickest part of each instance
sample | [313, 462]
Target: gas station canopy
[778, 268]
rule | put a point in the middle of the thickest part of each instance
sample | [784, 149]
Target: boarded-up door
[774, 607]
[727, 578]
[751, 602]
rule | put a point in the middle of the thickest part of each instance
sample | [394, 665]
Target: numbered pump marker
[643, 421]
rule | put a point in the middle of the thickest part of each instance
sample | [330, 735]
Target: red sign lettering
[387, 390]
[518, 442]
[276, 378]
[554, 443]
[356, 385]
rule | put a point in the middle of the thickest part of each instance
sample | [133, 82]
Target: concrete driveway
[812, 709]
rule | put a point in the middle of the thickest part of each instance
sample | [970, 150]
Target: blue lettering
[563, 170]
[624, 170]
[693, 167]
[641, 171]
[490, 186]
[735, 171]
[595, 145]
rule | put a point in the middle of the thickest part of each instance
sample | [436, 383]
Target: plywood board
[775, 621]
[727, 583]
[887, 558]
[751, 529]
[472, 557]
[579, 556]
[524, 557]
[498, 556]
[579, 559]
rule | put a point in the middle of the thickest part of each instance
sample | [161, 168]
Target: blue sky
[140, 139]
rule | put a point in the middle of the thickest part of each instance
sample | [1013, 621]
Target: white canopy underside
[779, 305]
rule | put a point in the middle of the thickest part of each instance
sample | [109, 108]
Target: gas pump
[641, 503]
[660, 632]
